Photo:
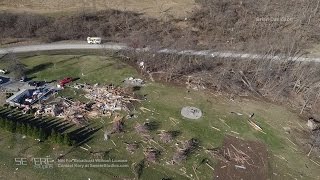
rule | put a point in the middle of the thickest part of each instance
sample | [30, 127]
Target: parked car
[36, 83]
[23, 79]
[65, 81]
[4, 71]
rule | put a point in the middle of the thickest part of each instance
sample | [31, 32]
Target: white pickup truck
[94, 40]
[3, 71]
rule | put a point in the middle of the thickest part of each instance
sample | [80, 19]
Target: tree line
[15, 122]
[216, 24]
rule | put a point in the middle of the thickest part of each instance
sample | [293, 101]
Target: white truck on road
[3, 71]
[94, 40]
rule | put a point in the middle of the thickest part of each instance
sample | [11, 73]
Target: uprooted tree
[188, 148]
[151, 154]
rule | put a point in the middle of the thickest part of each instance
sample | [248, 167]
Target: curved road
[118, 46]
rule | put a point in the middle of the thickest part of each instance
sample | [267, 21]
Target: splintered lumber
[151, 140]
[166, 137]
[87, 146]
[255, 126]
[194, 170]
[224, 122]
[291, 141]
[215, 128]
[131, 99]
[84, 148]
[239, 114]
[310, 151]
[117, 118]
[183, 169]
[143, 109]
[173, 120]
[210, 166]
[315, 162]
[113, 143]
[239, 151]
[281, 157]
[241, 167]
[235, 132]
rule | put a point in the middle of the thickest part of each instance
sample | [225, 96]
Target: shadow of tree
[79, 135]
[39, 68]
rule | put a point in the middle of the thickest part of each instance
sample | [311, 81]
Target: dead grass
[153, 8]
[314, 51]
[2, 98]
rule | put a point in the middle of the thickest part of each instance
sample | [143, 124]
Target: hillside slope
[153, 8]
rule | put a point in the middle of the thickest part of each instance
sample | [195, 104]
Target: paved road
[118, 46]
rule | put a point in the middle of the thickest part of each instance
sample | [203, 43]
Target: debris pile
[151, 154]
[133, 82]
[64, 108]
[236, 155]
[231, 155]
[182, 153]
[166, 137]
[108, 99]
[145, 128]
[314, 127]
[313, 124]
[104, 101]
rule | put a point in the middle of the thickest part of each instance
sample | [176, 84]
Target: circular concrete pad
[191, 112]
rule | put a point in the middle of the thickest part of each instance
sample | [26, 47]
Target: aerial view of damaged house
[160, 89]
[41, 98]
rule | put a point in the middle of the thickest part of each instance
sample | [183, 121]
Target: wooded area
[258, 26]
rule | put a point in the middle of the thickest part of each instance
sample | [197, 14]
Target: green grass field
[165, 102]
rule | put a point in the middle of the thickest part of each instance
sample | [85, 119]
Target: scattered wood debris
[109, 98]
[255, 126]
[166, 136]
[132, 147]
[174, 121]
[104, 101]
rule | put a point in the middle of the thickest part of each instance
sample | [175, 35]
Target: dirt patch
[241, 159]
